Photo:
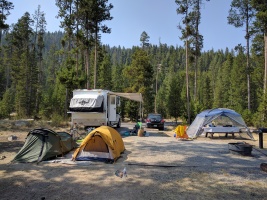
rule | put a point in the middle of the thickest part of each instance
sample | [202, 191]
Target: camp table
[221, 129]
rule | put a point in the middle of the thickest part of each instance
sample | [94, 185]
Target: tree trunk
[66, 103]
[95, 57]
[87, 68]
[0, 37]
[186, 73]
[197, 49]
[195, 81]
[77, 42]
[77, 61]
[87, 56]
[265, 62]
[187, 82]
[248, 74]
[248, 58]
[2, 14]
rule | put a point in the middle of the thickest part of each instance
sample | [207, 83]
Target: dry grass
[200, 169]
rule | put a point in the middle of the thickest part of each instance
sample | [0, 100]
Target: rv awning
[131, 96]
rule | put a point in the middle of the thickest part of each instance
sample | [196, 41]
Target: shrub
[56, 119]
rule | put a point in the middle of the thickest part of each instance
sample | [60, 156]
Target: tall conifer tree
[261, 23]
[5, 7]
[241, 14]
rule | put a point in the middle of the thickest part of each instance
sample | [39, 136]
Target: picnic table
[221, 129]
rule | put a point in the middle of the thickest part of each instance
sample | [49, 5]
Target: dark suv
[155, 121]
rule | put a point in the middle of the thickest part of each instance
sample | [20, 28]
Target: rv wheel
[119, 124]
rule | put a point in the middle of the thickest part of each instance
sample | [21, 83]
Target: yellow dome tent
[102, 143]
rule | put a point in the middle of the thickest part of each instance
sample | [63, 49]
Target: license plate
[155, 125]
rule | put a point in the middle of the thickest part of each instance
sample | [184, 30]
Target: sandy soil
[158, 167]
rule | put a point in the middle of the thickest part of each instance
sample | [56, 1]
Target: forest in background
[40, 69]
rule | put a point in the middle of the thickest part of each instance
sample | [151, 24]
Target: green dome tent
[43, 144]
[224, 117]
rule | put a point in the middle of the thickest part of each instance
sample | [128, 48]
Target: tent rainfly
[219, 116]
[103, 143]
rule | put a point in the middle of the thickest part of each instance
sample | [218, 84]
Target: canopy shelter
[132, 96]
[225, 120]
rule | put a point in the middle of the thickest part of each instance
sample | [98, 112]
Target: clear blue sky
[157, 17]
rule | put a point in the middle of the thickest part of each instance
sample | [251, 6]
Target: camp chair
[180, 131]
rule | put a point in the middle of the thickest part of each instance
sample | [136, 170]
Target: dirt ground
[158, 167]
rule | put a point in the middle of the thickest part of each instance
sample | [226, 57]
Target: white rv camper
[97, 107]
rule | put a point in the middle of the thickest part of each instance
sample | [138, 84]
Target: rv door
[112, 108]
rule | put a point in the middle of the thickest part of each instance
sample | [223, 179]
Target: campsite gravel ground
[158, 167]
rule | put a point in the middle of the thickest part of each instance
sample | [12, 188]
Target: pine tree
[24, 71]
[257, 75]
[175, 108]
[206, 99]
[197, 40]
[144, 39]
[100, 12]
[260, 26]
[241, 14]
[239, 82]
[5, 7]
[162, 100]
[223, 90]
[105, 80]
[139, 76]
[118, 81]
[6, 104]
[261, 23]
[40, 27]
